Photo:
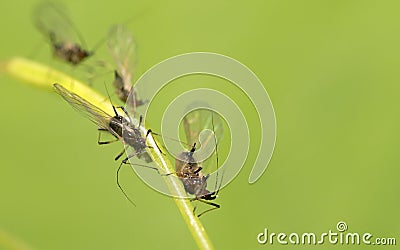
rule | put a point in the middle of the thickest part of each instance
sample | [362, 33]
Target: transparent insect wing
[122, 48]
[52, 20]
[93, 113]
[146, 157]
[199, 120]
[139, 153]
[194, 123]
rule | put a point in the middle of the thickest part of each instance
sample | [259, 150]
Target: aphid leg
[215, 205]
[147, 134]
[145, 166]
[169, 138]
[125, 161]
[194, 210]
[119, 184]
[157, 134]
[120, 187]
[131, 155]
[120, 154]
[198, 170]
[104, 142]
[168, 174]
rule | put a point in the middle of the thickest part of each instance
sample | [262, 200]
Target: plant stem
[44, 77]
[185, 207]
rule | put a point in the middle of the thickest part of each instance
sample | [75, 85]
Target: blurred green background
[330, 68]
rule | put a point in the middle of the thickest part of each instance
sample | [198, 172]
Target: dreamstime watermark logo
[339, 236]
[238, 75]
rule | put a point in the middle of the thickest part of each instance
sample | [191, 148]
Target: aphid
[122, 128]
[122, 48]
[189, 170]
[67, 43]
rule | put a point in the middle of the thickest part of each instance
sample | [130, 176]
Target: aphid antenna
[214, 193]
[172, 139]
[216, 150]
[114, 107]
[128, 117]
[109, 97]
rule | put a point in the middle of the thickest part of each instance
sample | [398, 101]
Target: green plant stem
[185, 207]
[43, 76]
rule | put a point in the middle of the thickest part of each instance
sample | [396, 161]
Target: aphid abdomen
[71, 53]
[133, 138]
[119, 86]
[192, 185]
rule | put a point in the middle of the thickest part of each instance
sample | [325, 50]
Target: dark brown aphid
[120, 127]
[69, 52]
[122, 48]
[189, 170]
[66, 42]
[121, 89]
